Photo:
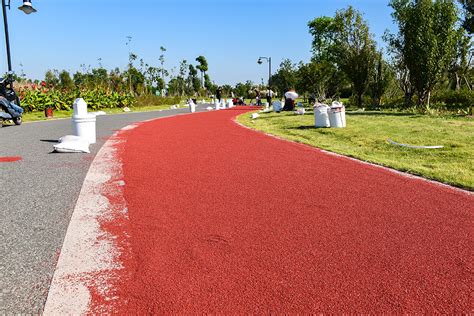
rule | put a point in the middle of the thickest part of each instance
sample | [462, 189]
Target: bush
[38, 99]
[454, 100]
[153, 100]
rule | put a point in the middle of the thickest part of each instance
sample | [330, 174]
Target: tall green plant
[428, 32]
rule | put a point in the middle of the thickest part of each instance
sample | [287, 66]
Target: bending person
[290, 97]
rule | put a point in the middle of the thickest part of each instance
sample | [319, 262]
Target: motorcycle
[10, 108]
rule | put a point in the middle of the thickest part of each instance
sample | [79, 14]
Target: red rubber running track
[228, 220]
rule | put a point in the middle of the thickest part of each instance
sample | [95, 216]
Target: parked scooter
[10, 108]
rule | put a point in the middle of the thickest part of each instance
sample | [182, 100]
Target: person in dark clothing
[290, 98]
[219, 94]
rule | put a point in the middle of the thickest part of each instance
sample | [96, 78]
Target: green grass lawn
[366, 138]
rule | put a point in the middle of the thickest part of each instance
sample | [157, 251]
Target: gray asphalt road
[38, 195]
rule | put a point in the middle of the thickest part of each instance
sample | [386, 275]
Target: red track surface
[10, 159]
[228, 220]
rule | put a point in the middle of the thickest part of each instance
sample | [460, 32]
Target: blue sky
[232, 34]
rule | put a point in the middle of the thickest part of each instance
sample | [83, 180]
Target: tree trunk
[359, 100]
[458, 82]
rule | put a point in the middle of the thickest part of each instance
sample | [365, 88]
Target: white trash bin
[192, 107]
[321, 117]
[217, 105]
[337, 115]
[83, 124]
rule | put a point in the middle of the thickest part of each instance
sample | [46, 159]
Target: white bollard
[83, 124]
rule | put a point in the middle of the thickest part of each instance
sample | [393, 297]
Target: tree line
[428, 58]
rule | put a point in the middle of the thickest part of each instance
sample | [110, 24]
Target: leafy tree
[193, 81]
[66, 80]
[346, 41]
[227, 90]
[202, 67]
[381, 79]
[355, 49]
[316, 77]
[428, 38]
[459, 68]
[51, 78]
[208, 84]
[285, 77]
[468, 22]
[243, 89]
[402, 73]
[162, 61]
[323, 30]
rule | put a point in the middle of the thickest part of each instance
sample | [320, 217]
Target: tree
[65, 80]
[285, 77]
[162, 61]
[316, 77]
[381, 79]
[243, 89]
[468, 22]
[193, 80]
[346, 41]
[51, 78]
[181, 81]
[202, 67]
[428, 38]
[461, 62]
[355, 50]
[323, 30]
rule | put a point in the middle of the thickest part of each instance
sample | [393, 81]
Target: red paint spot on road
[226, 220]
[10, 159]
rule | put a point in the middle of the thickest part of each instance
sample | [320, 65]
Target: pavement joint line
[394, 171]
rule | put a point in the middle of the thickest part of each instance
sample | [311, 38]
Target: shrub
[454, 100]
[153, 100]
[37, 99]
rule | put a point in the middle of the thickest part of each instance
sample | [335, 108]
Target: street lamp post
[27, 8]
[269, 60]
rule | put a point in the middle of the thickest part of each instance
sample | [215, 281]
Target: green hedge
[39, 99]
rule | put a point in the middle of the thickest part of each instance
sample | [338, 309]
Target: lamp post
[269, 60]
[27, 8]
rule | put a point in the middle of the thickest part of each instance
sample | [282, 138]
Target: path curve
[223, 219]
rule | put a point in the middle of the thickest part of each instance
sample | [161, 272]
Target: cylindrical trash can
[192, 107]
[337, 116]
[321, 117]
[84, 127]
